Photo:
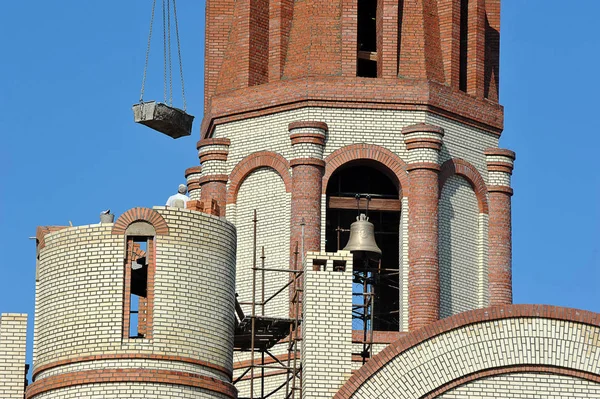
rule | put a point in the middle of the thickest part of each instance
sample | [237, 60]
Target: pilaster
[213, 178]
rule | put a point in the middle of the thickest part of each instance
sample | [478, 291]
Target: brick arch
[460, 167]
[141, 215]
[262, 159]
[462, 337]
[371, 152]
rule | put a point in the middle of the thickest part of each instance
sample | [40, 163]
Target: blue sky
[70, 73]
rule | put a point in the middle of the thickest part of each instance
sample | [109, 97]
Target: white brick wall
[326, 326]
[526, 386]
[481, 346]
[130, 391]
[351, 126]
[460, 236]
[13, 340]
[80, 301]
[264, 191]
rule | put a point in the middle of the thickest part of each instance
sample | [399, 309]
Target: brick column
[423, 143]
[500, 166]
[213, 178]
[192, 177]
[308, 141]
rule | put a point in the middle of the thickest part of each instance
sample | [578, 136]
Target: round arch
[141, 215]
[471, 345]
[460, 167]
[355, 152]
[252, 162]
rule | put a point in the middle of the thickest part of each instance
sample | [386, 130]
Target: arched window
[368, 179]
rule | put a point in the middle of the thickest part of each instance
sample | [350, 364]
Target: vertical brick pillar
[423, 143]
[500, 166]
[192, 177]
[213, 178]
[308, 141]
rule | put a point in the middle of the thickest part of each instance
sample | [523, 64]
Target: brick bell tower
[309, 103]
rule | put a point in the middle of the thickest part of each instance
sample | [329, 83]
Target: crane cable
[167, 56]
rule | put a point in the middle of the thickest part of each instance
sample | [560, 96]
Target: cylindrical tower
[142, 308]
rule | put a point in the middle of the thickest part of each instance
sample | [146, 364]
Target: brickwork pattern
[192, 176]
[424, 363]
[80, 306]
[13, 342]
[526, 386]
[459, 236]
[326, 325]
[264, 191]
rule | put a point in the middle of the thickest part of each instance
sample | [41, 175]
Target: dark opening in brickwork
[367, 39]
[137, 301]
[464, 44]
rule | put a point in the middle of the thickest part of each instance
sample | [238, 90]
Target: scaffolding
[258, 333]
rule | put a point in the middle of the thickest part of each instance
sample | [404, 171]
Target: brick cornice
[143, 356]
[470, 173]
[144, 215]
[341, 92]
[419, 142]
[252, 162]
[504, 167]
[194, 185]
[213, 178]
[372, 152]
[193, 170]
[213, 155]
[500, 189]
[421, 335]
[308, 125]
[423, 165]
[423, 128]
[148, 376]
[307, 161]
[520, 369]
[312, 138]
[212, 141]
[501, 152]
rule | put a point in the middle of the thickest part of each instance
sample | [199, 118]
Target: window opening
[367, 39]
[464, 44]
[137, 266]
[376, 279]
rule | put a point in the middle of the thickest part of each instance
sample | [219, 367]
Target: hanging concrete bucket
[168, 120]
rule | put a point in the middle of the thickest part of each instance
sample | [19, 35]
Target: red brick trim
[213, 141]
[504, 167]
[41, 231]
[307, 161]
[341, 92]
[194, 185]
[500, 151]
[143, 356]
[416, 143]
[213, 155]
[500, 189]
[210, 178]
[440, 327]
[511, 370]
[311, 138]
[193, 170]
[379, 337]
[141, 215]
[422, 128]
[464, 169]
[148, 376]
[423, 165]
[308, 125]
[252, 162]
[371, 152]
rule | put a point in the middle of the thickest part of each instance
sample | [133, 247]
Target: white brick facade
[13, 340]
[526, 386]
[80, 306]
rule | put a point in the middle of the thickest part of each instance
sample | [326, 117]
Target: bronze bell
[362, 236]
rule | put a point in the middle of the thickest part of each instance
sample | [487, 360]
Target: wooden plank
[376, 204]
